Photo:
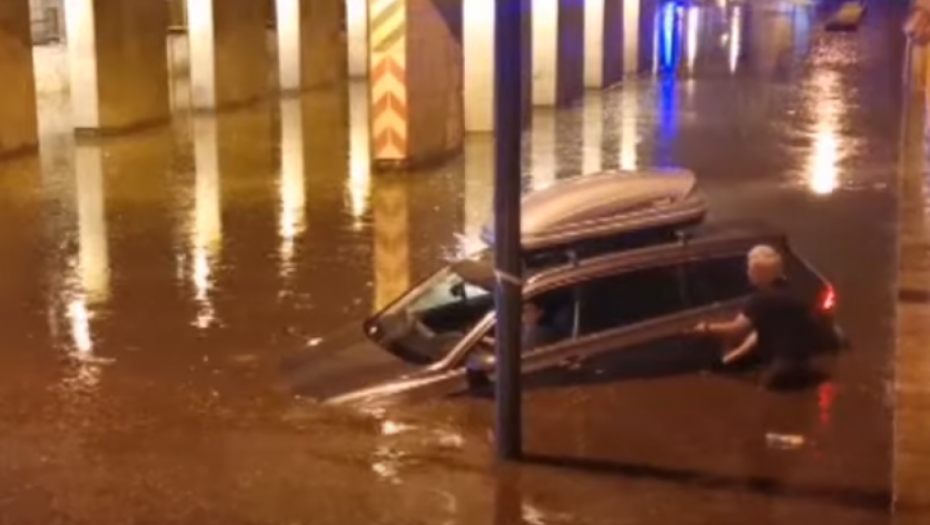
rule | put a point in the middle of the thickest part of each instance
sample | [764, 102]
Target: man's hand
[702, 328]
[917, 27]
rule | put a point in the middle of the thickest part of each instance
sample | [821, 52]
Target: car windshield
[424, 325]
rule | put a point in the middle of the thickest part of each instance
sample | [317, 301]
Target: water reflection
[629, 114]
[543, 151]
[593, 133]
[735, 37]
[479, 191]
[391, 240]
[86, 287]
[293, 193]
[359, 187]
[823, 171]
[693, 33]
[94, 266]
[205, 225]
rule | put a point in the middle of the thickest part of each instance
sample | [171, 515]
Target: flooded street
[151, 285]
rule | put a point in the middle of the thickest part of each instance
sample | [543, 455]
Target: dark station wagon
[622, 264]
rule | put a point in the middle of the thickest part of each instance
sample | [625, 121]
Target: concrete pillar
[694, 16]
[118, 64]
[631, 35]
[558, 52]
[735, 42]
[478, 36]
[311, 50]
[228, 53]
[648, 32]
[357, 37]
[19, 128]
[603, 36]
[416, 81]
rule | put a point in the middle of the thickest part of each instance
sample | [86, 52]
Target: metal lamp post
[508, 128]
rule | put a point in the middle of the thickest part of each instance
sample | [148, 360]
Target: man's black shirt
[783, 322]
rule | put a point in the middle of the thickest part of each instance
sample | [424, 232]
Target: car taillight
[828, 299]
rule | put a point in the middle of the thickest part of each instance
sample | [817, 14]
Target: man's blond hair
[767, 257]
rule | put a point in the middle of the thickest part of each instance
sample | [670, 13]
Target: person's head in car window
[535, 332]
[764, 266]
[532, 313]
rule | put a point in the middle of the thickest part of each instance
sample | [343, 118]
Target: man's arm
[744, 348]
[738, 327]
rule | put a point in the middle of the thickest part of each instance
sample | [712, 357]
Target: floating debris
[784, 441]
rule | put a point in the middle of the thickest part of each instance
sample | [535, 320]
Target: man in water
[775, 324]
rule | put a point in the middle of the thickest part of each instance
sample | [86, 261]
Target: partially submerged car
[621, 264]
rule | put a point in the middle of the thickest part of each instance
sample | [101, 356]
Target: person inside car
[775, 324]
[536, 333]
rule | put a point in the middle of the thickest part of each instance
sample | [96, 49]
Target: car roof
[705, 240]
[605, 204]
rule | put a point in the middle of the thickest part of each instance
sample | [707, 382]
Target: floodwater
[151, 285]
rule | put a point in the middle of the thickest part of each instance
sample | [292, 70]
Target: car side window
[552, 315]
[716, 280]
[629, 298]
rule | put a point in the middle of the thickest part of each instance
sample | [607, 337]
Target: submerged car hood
[342, 363]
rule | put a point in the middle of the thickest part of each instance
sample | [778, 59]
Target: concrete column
[735, 42]
[478, 36]
[693, 26]
[311, 50]
[648, 32]
[416, 81]
[631, 35]
[118, 64]
[19, 128]
[228, 53]
[603, 36]
[357, 37]
[558, 52]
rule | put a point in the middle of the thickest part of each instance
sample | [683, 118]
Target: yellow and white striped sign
[387, 41]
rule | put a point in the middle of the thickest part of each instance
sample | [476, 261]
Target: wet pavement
[150, 286]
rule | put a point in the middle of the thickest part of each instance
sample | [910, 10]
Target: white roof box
[607, 204]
